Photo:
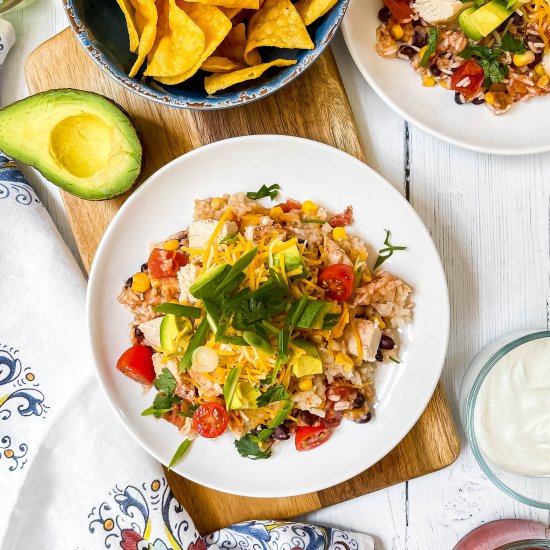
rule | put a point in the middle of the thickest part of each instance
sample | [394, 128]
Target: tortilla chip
[311, 10]
[230, 12]
[277, 24]
[146, 18]
[129, 15]
[179, 45]
[215, 26]
[217, 64]
[248, 4]
[218, 82]
[234, 46]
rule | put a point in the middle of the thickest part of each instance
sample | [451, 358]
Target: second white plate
[517, 132]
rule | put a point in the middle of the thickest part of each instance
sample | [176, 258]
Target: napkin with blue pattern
[70, 476]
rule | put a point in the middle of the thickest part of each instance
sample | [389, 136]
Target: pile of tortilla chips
[177, 37]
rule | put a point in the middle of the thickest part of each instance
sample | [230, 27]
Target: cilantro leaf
[387, 252]
[189, 412]
[163, 402]
[275, 393]
[511, 44]
[272, 191]
[248, 448]
[181, 450]
[433, 34]
[165, 382]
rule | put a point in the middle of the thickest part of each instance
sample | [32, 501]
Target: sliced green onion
[282, 414]
[198, 340]
[179, 310]
[230, 386]
[237, 268]
[178, 455]
[204, 359]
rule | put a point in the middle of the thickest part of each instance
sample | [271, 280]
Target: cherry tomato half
[309, 437]
[400, 9]
[210, 420]
[338, 281]
[165, 263]
[468, 78]
[137, 363]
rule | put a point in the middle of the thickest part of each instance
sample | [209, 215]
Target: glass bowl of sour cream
[505, 411]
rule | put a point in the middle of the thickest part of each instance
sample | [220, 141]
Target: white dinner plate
[305, 170]
[520, 131]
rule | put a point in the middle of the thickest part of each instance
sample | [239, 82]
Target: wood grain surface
[315, 106]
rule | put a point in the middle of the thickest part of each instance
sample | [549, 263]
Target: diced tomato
[289, 205]
[137, 363]
[165, 263]
[338, 281]
[400, 9]
[210, 420]
[309, 437]
[468, 78]
[342, 219]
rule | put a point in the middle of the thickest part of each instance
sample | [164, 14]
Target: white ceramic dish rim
[354, 51]
[444, 335]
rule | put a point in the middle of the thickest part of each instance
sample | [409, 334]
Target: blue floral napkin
[70, 476]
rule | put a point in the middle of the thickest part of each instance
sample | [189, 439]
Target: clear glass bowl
[533, 491]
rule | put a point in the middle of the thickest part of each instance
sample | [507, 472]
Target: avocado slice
[314, 314]
[171, 328]
[80, 141]
[206, 284]
[484, 20]
[307, 364]
[244, 397]
[293, 259]
[469, 30]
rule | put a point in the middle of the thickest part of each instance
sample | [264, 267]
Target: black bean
[139, 334]
[359, 401]
[478, 101]
[420, 38]
[538, 59]
[386, 342]
[129, 282]
[365, 419]
[435, 70]
[458, 98]
[384, 14]
[407, 51]
[308, 418]
[144, 267]
[518, 19]
[379, 356]
[281, 432]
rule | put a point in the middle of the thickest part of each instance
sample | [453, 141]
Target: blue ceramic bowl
[99, 26]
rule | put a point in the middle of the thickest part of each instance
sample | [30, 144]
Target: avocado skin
[14, 116]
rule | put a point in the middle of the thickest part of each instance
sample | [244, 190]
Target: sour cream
[512, 414]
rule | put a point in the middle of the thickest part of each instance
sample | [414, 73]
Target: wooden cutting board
[315, 106]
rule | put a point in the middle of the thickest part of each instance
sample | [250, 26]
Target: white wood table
[489, 218]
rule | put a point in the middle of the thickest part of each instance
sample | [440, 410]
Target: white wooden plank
[489, 219]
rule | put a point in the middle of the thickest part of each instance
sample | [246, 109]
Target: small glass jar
[533, 491]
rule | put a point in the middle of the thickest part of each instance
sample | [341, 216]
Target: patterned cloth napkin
[71, 478]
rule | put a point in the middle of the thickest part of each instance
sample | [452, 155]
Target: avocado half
[80, 141]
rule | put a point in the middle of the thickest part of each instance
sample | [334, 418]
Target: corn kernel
[428, 81]
[140, 282]
[422, 52]
[309, 207]
[490, 98]
[275, 211]
[397, 32]
[523, 59]
[339, 233]
[539, 69]
[156, 283]
[543, 81]
[443, 83]
[344, 360]
[305, 384]
[217, 202]
[172, 244]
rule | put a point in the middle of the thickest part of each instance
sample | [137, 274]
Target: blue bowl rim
[231, 99]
